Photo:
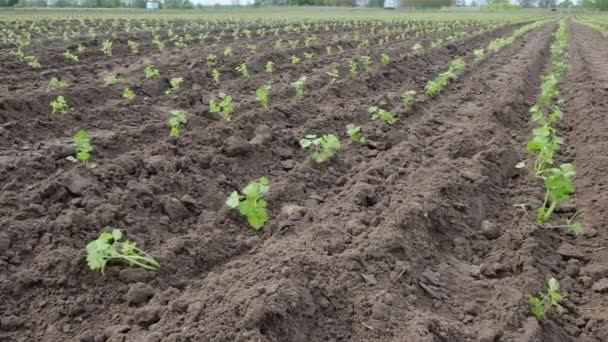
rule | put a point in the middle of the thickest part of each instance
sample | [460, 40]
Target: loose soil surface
[417, 236]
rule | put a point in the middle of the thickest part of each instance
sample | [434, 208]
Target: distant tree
[566, 4]
[527, 3]
[62, 3]
[139, 3]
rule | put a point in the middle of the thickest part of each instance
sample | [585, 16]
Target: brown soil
[413, 237]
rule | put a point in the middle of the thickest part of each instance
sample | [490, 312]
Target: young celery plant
[177, 119]
[558, 188]
[223, 107]
[261, 94]
[324, 147]
[546, 301]
[251, 204]
[355, 134]
[299, 86]
[108, 247]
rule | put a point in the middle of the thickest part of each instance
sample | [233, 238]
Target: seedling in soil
[55, 84]
[70, 56]
[385, 59]
[111, 79]
[558, 187]
[355, 134]
[294, 60]
[382, 115]
[417, 49]
[108, 247]
[435, 86]
[151, 72]
[106, 48]
[544, 302]
[250, 203]
[59, 105]
[253, 49]
[176, 121]
[352, 69]
[545, 143]
[480, 54]
[211, 59]
[407, 98]
[299, 86]
[224, 107]
[367, 63]
[333, 76]
[324, 148]
[572, 226]
[128, 94]
[133, 46]
[33, 62]
[159, 44]
[261, 94]
[309, 55]
[81, 48]
[175, 84]
[216, 76]
[548, 89]
[328, 49]
[242, 69]
[228, 52]
[269, 67]
[83, 147]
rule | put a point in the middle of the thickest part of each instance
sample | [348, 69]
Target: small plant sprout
[417, 49]
[269, 67]
[333, 76]
[83, 147]
[299, 86]
[151, 72]
[133, 46]
[175, 84]
[242, 69]
[70, 56]
[382, 115]
[385, 59]
[33, 62]
[223, 107]
[177, 119]
[81, 48]
[228, 52]
[106, 48]
[250, 203]
[480, 54]
[309, 55]
[108, 247]
[367, 62]
[55, 84]
[352, 69]
[558, 185]
[544, 302]
[355, 134]
[261, 94]
[294, 59]
[128, 94]
[572, 226]
[59, 105]
[111, 79]
[216, 76]
[407, 98]
[211, 59]
[324, 148]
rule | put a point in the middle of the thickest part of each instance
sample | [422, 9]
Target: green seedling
[32, 62]
[309, 55]
[352, 69]
[151, 72]
[545, 144]
[299, 86]
[175, 84]
[59, 105]
[133, 46]
[81, 48]
[558, 188]
[111, 79]
[83, 147]
[435, 86]
[216, 76]
[294, 60]
[333, 76]
[70, 56]
[480, 54]
[128, 94]
[548, 89]
[355, 134]
[211, 59]
[417, 49]
[223, 107]
[158, 43]
[106, 48]
[544, 302]
[407, 98]
[324, 148]
[261, 94]
[382, 115]
[253, 49]
[242, 69]
[177, 119]
[108, 247]
[228, 52]
[269, 67]
[367, 62]
[328, 49]
[55, 84]
[385, 59]
[251, 204]
[572, 226]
